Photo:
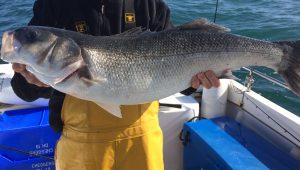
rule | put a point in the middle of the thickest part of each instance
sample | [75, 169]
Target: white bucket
[214, 100]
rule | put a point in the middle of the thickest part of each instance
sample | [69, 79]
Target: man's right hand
[30, 78]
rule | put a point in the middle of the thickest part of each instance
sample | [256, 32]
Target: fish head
[51, 58]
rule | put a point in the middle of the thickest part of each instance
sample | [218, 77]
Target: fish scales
[138, 67]
[166, 60]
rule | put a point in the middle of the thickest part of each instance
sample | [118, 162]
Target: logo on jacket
[81, 26]
[129, 18]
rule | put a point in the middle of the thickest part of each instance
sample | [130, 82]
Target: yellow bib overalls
[93, 139]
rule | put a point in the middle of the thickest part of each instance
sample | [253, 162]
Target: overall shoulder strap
[129, 14]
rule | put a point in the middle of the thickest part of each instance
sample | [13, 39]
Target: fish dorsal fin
[134, 32]
[203, 25]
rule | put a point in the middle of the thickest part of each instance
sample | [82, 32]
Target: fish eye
[31, 35]
[26, 35]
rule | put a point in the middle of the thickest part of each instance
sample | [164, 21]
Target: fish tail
[289, 67]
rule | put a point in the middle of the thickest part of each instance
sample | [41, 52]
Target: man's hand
[30, 78]
[207, 79]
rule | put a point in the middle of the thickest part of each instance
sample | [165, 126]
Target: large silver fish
[139, 67]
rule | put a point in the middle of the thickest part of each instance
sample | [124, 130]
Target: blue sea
[262, 19]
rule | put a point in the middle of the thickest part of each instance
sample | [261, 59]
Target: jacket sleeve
[26, 91]
[162, 17]
[47, 13]
[43, 16]
[153, 14]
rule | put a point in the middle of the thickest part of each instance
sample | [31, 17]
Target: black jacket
[95, 17]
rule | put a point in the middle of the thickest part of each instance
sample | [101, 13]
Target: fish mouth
[9, 46]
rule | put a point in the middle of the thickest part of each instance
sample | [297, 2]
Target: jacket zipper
[102, 6]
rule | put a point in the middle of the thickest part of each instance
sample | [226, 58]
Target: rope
[216, 11]
[269, 117]
[25, 152]
[264, 112]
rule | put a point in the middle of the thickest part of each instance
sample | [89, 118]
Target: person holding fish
[92, 138]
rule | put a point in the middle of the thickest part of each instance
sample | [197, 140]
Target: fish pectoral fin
[111, 108]
[203, 25]
[227, 74]
[91, 82]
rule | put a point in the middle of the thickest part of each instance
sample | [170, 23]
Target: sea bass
[141, 66]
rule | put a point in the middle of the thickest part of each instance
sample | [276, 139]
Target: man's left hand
[207, 79]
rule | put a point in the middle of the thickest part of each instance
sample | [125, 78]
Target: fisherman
[92, 138]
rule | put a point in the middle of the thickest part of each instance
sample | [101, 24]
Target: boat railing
[249, 82]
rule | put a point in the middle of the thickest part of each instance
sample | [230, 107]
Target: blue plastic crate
[30, 164]
[26, 130]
